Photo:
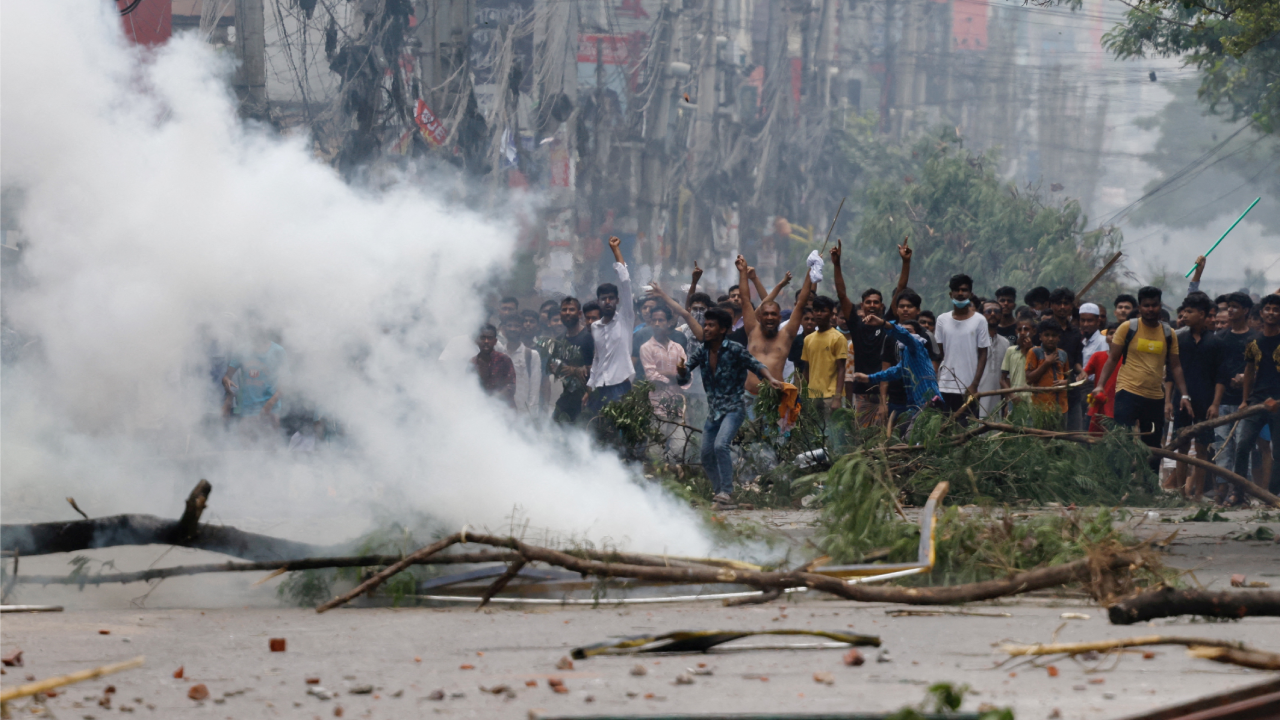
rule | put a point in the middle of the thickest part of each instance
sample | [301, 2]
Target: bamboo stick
[56, 682]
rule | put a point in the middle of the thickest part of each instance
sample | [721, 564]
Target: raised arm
[905, 252]
[777, 289]
[693, 284]
[1195, 277]
[793, 323]
[694, 327]
[748, 311]
[846, 305]
[755, 282]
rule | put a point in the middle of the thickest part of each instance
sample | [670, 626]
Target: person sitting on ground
[726, 366]
[1049, 366]
[497, 374]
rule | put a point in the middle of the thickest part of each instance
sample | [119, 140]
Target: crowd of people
[1062, 364]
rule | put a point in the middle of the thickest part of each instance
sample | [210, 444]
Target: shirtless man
[766, 341]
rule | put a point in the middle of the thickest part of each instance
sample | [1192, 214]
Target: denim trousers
[717, 438]
[1224, 444]
[1247, 438]
[606, 394]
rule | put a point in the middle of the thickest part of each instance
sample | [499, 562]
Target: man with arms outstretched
[768, 340]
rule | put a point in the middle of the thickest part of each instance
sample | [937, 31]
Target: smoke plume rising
[157, 226]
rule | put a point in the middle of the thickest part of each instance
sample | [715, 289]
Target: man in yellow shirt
[1146, 344]
[826, 351]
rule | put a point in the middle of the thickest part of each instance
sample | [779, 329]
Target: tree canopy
[963, 218]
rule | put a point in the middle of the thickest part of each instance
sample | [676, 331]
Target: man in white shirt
[528, 365]
[611, 367]
[964, 340]
[1090, 322]
[993, 312]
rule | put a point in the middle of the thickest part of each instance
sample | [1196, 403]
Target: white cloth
[612, 362]
[815, 267]
[960, 341]
[1095, 344]
[528, 365]
[991, 376]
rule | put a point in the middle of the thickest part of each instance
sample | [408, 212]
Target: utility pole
[657, 119]
[251, 51]
[824, 58]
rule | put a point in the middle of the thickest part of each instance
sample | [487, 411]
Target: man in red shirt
[497, 374]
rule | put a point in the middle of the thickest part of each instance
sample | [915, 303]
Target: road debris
[177, 674]
[198, 692]
[824, 678]
[276, 644]
[13, 659]
[1073, 616]
[436, 695]
[1169, 602]
[702, 640]
[853, 658]
[639, 670]
[564, 663]
[684, 679]
[319, 692]
[43, 686]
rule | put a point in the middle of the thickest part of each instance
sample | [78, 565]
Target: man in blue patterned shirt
[725, 364]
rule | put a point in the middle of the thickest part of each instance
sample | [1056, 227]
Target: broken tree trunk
[77, 535]
[1078, 571]
[484, 556]
[1190, 430]
[1168, 602]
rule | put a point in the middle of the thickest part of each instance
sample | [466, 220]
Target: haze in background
[159, 229]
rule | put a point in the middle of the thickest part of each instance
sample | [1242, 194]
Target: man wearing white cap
[1090, 322]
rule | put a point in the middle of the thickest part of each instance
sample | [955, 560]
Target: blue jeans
[1247, 438]
[606, 394]
[717, 437]
[1225, 454]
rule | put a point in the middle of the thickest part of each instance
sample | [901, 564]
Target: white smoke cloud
[155, 220]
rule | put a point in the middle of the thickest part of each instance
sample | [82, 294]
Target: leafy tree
[962, 217]
[1234, 43]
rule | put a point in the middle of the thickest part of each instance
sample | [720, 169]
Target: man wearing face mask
[964, 338]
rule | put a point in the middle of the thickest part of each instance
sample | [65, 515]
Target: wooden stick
[833, 225]
[1255, 659]
[278, 566]
[189, 523]
[496, 587]
[1077, 571]
[1117, 644]
[40, 686]
[1189, 430]
[1241, 483]
[1028, 389]
[1170, 602]
[1098, 275]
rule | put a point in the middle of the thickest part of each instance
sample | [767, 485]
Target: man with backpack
[1147, 345]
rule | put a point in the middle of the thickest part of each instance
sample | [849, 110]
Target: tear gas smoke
[161, 231]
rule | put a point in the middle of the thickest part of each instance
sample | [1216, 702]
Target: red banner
[431, 128]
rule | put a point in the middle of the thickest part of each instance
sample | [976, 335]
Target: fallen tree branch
[56, 682]
[1256, 659]
[496, 587]
[1118, 644]
[484, 556]
[1241, 483]
[765, 597]
[1077, 571]
[1190, 430]
[1168, 602]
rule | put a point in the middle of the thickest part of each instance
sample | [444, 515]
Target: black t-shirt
[1201, 363]
[797, 348]
[739, 336]
[586, 348]
[1010, 332]
[1073, 342]
[868, 349]
[1233, 345]
[1264, 352]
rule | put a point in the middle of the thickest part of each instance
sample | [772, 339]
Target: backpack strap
[1133, 330]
